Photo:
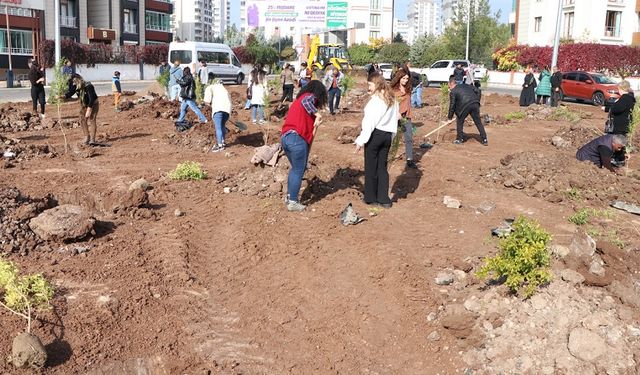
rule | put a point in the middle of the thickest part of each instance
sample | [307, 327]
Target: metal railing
[17, 51]
[131, 28]
[157, 28]
[67, 21]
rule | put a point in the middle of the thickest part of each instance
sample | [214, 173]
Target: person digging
[89, 106]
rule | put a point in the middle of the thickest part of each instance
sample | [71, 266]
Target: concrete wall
[104, 72]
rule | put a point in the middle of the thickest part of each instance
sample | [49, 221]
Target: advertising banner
[309, 13]
[337, 14]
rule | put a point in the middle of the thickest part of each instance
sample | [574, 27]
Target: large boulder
[65, 222]
[27, 351]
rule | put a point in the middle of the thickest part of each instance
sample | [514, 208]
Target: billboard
[311, 13]
[337, 14]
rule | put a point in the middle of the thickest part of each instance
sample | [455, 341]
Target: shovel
[239, 124]
[429, 144]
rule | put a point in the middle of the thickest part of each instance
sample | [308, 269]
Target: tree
[394, 53]
[288, 54]
[428, 49]
[398, 38]
[485, 33]
[361, 54]
[232, 37]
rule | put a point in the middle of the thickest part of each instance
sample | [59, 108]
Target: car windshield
[600, 78]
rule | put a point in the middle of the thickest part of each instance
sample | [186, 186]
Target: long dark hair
[400, 73]
[318, 90]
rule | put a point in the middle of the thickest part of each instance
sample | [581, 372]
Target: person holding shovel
[217, 96]
[297, 134]
[464, 101]
[89, 106]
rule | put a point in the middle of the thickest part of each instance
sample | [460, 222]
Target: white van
[220, 59]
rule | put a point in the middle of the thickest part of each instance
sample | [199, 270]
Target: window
[234, 61]
[374, 20]
[440, 64]
[183, 56]
[568, 25]
[570, 76]
[374, 34]
[612, 23]
[583, 77]
[129, 21]
[375, 4]
[20, 42]
[68, 14]
[464, 64]
[569, 2]
[537, 23]
[157, 21]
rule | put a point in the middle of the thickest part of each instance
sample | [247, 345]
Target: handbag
[249, 92]
[608, 125]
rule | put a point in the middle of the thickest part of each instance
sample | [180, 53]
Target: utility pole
[466, 53]
[10, 71]
[57, 28]
[556, 42]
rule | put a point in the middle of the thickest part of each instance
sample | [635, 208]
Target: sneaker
[412, 164]
[458, 142]
[42, 116]
[294, 206]
[261, 122]
[386, 205]
[118, 110]
[485, 142]
[217, 148]
[254, 121]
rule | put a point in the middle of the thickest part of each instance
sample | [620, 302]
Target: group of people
[544, 90]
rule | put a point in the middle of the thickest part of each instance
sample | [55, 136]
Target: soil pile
[551, 177]
[15, 212]
[13, 119]
[12, 151]
[573, 136]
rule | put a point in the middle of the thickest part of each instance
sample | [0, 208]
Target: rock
[444, 278]
[27, 351]
[432, 316]
[627, 295]
[485, 207]
[178, 213]
[633, 331]
[596, 267]
[459, 321]
[472, 304]
[560, 142]
[227, 190]
[131, 199]
[451, 202]
[583, 245]
[539, 301]
[559, 251]
[64, 222]
[586, 345]
[140, 184]
[571, 276]
[433, 336]
[462, 265]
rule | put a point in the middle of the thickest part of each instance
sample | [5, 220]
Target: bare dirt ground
[238, 285]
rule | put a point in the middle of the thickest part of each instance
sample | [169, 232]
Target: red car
[588, 86]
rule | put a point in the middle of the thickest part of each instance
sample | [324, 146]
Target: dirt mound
[15, 212]
[552, 177]
[573, 136]
[13, 152]
[13, 119]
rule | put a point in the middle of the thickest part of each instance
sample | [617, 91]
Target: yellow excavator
[321, 54]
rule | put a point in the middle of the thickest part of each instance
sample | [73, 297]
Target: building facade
[193, 20]
[598, 21]
[26, 30]
[424, 18]
[401, 27]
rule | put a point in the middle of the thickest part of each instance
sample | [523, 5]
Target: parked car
[588, 86]
[387, 70]
[440, 71]
[220, 59]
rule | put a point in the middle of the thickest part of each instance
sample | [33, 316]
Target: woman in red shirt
[297, 135]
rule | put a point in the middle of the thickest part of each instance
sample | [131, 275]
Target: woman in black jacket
[620, 114]
[36, 77]
[89, 106]
[188, 95]
[528, 94]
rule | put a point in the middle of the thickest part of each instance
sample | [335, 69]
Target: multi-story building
[599, 21]
[116, 22]
[193, 20]
[401, 27]
[219, 17]
[424, 19]
[348, 22]
[243, 16]
[26, 28]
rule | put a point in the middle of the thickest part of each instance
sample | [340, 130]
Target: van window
[222, 57]
[183, 56]
[440, 64]
[570, 76]
[235, 61]
[208, 57]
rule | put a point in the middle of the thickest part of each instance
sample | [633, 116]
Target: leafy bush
[98, 53]
[394, 53]
[288, 54]
[155, 53]
[444, 100]
[515, 116]
[347, 84]
[581, 217]
[523, 258]
[263, 54]
[633, 126]
[189, 170]
[163, 79]
[242, 53]
[361, 54]
[22, 295]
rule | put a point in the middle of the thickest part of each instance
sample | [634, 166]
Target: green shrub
[163, 79]
[23, 295]
[361, 54]
[523, 259]
[347, 84]
[515, 116]
[189, 170]
[444, 100]
[394, 53]
[564, 114]
[581, 217]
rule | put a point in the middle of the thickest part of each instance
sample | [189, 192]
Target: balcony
[163, 28]
[16, 51]
[130, 28]
[67, 21]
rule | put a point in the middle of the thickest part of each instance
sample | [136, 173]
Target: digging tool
[239, 124]
[429, 144]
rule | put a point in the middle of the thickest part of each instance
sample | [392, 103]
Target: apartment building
[193, 20]
[424, 18]
[26, 30]
[599, 21]
[401, 27]
[219, 17]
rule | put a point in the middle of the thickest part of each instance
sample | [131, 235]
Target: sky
[503, 5]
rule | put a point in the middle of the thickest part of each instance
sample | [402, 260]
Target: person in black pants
[556, 86]
[36, 77]
[620, 113]
[464, 101]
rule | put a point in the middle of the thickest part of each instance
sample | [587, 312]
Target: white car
[387, 70]
[440, 71]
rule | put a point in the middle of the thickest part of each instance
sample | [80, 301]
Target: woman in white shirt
[258, 88]
[217, 96]
[379, 126]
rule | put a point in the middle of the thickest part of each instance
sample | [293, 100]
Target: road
[23, 94]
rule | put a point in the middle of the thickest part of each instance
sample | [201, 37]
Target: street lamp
[466, 53]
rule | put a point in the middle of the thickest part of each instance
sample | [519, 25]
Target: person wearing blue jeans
[297, 135]
[416, 96]
[188, 95]
[217, 96]
[332, 81]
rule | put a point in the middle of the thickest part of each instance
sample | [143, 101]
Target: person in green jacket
[543, 91]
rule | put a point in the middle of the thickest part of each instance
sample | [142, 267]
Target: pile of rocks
[257, 181]
[13, 152]
[15, 120]
[15, 212]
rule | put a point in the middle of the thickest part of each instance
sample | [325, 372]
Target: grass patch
[564, 114]
[188, 170]
[522, 260]
[573, 194]
[584, 215]
[515, 116]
